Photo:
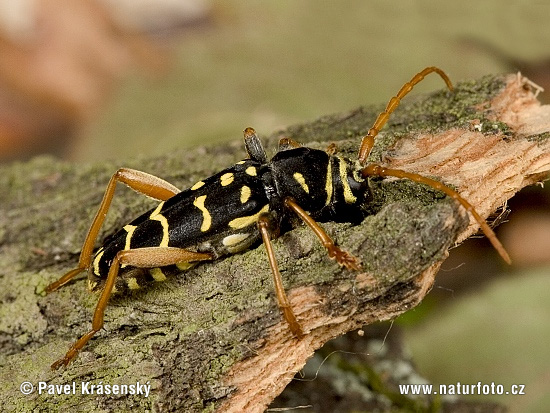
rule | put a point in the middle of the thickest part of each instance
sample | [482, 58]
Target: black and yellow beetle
[233, 210]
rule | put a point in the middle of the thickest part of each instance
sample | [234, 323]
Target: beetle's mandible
[235, 209]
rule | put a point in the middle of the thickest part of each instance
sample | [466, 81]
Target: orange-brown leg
[140, 257]
[378, 170]
[368, 140]
[342, 257]
[282, 299]
[141, 182]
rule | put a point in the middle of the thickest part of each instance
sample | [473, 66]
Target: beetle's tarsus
[344, 258]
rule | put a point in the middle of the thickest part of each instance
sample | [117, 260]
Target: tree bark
[212, 338]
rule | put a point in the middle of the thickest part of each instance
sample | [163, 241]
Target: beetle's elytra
[235, 209]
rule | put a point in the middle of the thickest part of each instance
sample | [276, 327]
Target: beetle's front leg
[342, 257]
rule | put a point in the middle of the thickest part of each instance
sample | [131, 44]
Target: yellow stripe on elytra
[206, 218]
[157, 216]
[328, 183]
[251, 170]
[227, 178]
[234, 239]
[97, 258]
[245, 194]
[197, 185]
[348, 195]
[302, 181]
[242, 222]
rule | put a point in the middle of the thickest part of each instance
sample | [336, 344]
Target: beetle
[231, 211]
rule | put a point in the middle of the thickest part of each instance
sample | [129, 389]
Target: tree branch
[213, 338]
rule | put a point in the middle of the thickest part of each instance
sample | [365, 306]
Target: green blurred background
[273, 64]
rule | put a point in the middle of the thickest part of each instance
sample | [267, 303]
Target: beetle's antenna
[378, 170]
[368, 140]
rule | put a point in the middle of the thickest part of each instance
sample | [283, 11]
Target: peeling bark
[212, 338]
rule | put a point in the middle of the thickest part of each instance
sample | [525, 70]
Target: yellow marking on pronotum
[206, 218]
[96, 261]
[242, 222]
[197, 185]
[132, 283]
[251, 170]
[328, 182]
[245, 194]
[348, 195]
[227, 178]
[302, 181]
[157, 216]
[234, 239]
[157, 274]
[241, 162]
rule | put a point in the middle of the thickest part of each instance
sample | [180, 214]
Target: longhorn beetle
[234, 209]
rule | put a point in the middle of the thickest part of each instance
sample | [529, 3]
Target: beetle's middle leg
[141, 182]
[282, 299]
[150, 257]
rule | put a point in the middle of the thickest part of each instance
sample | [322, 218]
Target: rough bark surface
[212, 338]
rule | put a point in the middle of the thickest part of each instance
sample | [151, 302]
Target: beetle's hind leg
[150, 257]
[141, 182]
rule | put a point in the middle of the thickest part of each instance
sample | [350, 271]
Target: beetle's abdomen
[217, 215]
